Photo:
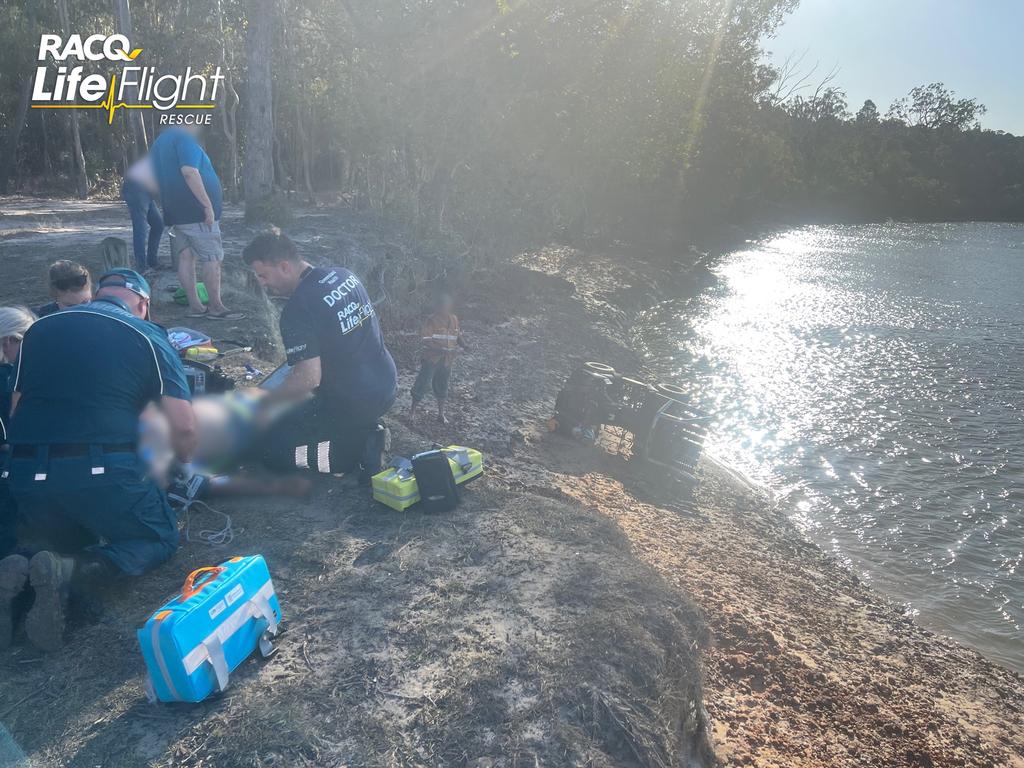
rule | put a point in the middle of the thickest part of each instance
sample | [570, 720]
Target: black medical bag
[438, 489]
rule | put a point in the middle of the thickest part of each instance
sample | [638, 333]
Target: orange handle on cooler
[189, 588]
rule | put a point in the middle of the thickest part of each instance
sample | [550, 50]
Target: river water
[873, 378]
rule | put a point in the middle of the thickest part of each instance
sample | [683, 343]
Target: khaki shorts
[204, 243]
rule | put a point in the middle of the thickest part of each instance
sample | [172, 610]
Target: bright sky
[886, 47]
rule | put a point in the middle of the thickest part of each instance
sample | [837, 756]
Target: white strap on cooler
[158, 654]
[150, 690]
[211, 649]
[262, 604]
[215, 655]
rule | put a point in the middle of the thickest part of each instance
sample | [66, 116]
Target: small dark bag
[205, 379]
[436, 483]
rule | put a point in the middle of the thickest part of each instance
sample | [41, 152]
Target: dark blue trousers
[434, 374]
[8, 520]
[119, 514]
[147, 224]
[300, 436]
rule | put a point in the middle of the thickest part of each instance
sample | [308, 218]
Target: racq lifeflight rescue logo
[68, 86]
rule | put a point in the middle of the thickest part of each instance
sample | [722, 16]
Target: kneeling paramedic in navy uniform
[83, 497]
[343, 377]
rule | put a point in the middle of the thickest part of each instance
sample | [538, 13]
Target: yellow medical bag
[396, 485]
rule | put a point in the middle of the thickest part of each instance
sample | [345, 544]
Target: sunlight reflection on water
[873, 377]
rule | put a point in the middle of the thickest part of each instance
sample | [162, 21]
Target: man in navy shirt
[84, 376]
[334, 344]
[190, 194]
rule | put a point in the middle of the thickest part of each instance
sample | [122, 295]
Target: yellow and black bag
[435, 481]
[396, 486]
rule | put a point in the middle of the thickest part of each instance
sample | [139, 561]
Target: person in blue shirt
[341, 372]
[190, 194]
[84, 502]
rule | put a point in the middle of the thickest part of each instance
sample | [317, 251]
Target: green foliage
[935, 106]
[927, 160]
[868, 113]
[492, 126]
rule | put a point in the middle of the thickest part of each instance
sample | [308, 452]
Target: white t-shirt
[142, 172]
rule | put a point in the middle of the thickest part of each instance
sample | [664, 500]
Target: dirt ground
[575, 610]
[806, 666]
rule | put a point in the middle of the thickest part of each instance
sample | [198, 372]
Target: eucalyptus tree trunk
[305, 151]
[77, 156]
[134, 116]
[10, 158]
[258, 167]
[44, 132]
[229, 109]
[14, 135]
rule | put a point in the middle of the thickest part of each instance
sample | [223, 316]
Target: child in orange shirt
[441, 339]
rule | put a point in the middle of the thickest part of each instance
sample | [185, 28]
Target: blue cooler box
[223, 614]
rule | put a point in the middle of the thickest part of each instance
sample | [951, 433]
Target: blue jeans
[147, 223]
[119, 514]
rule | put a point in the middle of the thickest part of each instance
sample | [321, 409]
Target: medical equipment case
[396, 486]
[195, 640]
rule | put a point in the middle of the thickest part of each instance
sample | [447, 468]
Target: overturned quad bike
[665, 429]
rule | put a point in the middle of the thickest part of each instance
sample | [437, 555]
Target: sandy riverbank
[573, 611]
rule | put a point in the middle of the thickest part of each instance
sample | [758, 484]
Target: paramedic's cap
[128, 278]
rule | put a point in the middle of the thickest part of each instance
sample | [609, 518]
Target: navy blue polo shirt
[86, 373]
[172, 149]
[47, 309]
[6, 386]
[330, 316]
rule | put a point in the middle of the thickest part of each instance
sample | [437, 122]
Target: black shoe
[90, 583]
[375, 453]
[50, 577]
[13, 577]
[92, 569]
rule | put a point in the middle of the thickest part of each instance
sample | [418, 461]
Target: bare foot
[298, 486]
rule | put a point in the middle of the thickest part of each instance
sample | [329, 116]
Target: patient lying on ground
[232, 429]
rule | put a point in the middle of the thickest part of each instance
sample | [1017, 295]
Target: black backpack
[435, 481]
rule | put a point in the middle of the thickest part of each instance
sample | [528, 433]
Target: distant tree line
[926, 159]
[492, 125]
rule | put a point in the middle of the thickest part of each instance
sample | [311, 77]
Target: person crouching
[86, 511]
[343, 378]
[70, 285]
